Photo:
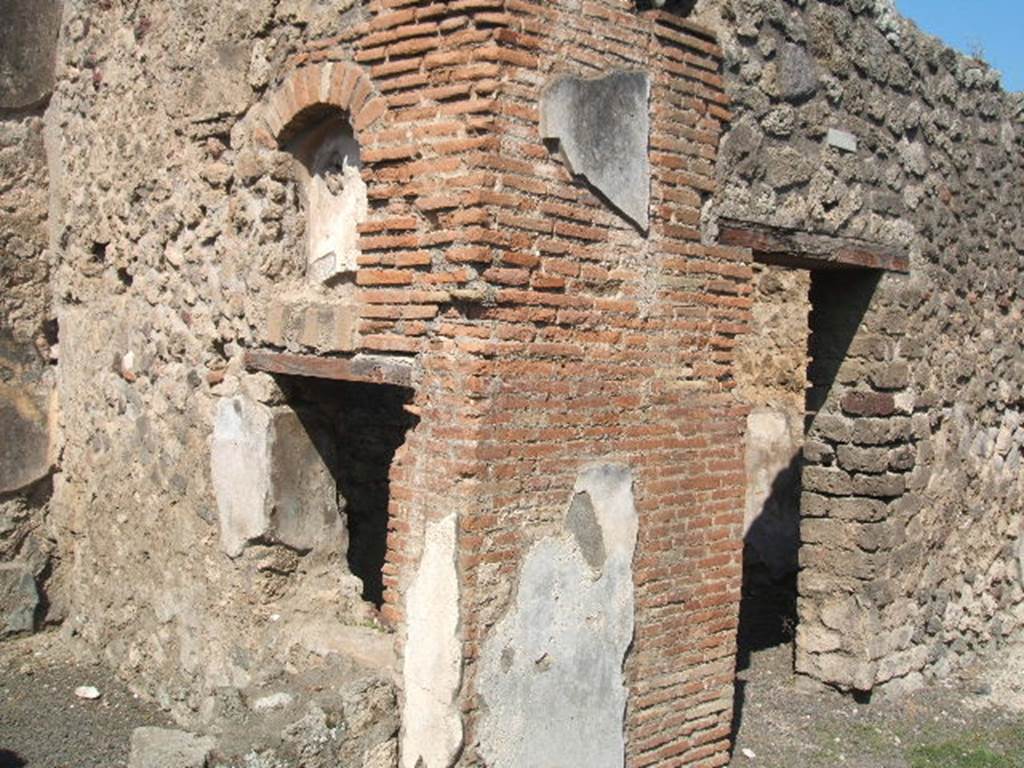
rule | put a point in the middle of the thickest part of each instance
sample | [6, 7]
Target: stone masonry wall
[28, 552]
[576, 436]
[850, 121]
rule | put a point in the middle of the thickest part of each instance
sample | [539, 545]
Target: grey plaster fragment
[602, 126]
[551, 669]
[167, 748]
[843, 140]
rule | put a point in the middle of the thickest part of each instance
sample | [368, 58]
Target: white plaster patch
[337, 205]
[602, 126]
[771, 525]
[551, 669]
[240, 469]
[432, 667]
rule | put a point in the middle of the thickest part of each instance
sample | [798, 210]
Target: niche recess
[333, 192]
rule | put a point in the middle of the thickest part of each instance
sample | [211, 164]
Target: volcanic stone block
[19, 599]
[798, 74]
[602, 127]
[868, 404]
[28, 51]
[25, 446]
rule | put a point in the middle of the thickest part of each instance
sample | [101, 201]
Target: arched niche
[333, 193]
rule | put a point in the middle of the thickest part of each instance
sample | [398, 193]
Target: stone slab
[25, 427]
[843, 140]
[272, 471]
[432, 667]
[602, 127]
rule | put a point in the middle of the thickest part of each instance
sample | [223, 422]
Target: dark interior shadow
[768, 599]
[10, 759]
[839, 301]
[357, 428]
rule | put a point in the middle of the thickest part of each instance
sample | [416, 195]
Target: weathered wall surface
[852, 122]
[536, 313]
[171, 227]
[28, 52]
[547, 332]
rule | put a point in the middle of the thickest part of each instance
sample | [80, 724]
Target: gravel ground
[43, 724]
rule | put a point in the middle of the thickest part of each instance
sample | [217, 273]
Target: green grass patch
[993, 749]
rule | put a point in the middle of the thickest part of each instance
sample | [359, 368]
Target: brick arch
[300, 99]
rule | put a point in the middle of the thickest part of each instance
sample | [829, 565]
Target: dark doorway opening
[771, 370]
[357, 428]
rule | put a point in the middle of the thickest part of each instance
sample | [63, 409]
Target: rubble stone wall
[850, 121]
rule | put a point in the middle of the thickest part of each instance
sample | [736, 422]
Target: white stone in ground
[87, 692]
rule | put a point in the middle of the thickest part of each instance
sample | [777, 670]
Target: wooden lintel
[809, 250]
[362, 368]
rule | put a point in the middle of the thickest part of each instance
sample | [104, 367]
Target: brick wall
[553, 334]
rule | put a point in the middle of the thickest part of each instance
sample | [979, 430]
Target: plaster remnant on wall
[551, 669]
[432, 667]
[272, 479]
[337, 204]
[602, 126]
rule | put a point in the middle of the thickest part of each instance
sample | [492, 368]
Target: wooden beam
[795, 248]
[362, 368]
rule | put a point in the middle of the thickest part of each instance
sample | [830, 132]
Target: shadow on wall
[768, 601]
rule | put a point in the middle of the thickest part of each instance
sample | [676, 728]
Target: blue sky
[993, 26]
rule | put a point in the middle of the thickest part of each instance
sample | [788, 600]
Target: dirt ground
[973, 721]
[43, 724]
